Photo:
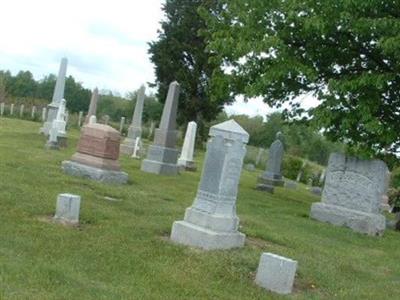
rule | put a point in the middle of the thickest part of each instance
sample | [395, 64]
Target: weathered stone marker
[12, 109]
[80, 116]
[58, 95]
[44, 112]
[121, 124]
[162, 156]
[185, 161]
[352, 194]
[137, 148]
[21, 111]
[211, 222]
[2, 109]
[135, 129]
[272, 175]
[97, 155]
[276, 273]
[67, 209]
[92, 106]
[33, 112]
[57, 134]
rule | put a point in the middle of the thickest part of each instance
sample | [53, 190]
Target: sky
[106, 42]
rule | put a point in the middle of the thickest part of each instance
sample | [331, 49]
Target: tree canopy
[345, 53]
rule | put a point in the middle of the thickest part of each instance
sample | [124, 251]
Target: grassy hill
[122, 250]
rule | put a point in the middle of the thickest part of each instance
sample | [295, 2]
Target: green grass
[122, 251]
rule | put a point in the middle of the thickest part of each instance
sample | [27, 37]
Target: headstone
[151, 129]
[135, 129]
[291, 184]
[57, 134]
[322, 177]
[21, 111]
[121, 124]
[33, 113]
[58, 95]
[300, 174]
[80, 116]
[249, 167]
[2, 108]
[352, 194]
[211, 222]
[92, 119]
[97, 155]
[44, 112]
[67, 210]
[162, 156]
[272, 175]
[276, 273]
[12, 109]
[259, 156]
[92, 106]
[137, 148]
[185, 161]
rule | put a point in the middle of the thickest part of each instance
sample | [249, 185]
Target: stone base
[192, 235]
[265, 187]
[80, 170]
[127, 147]
[187, 165]
[368, 223]
[52, 145]
[271, 181]
[161, 160]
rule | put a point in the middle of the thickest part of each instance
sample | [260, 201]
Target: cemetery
[162, 193]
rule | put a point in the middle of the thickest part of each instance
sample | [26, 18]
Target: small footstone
[67, 210]
[276, 273]
[265, 188]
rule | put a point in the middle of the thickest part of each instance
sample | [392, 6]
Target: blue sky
[104, 41]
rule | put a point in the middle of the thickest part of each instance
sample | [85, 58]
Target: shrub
[291, 166]
[395, 178]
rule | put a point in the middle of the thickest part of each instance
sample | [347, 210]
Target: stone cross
[135, 129]
[11, 109]
[2, 108]
[121, 124]
[186, 159]
[162, 156]
[67, 210]
[93, 105]
[352, 194]
[44, 112]
[211, 222]
[21, 111]
[272, 175]
[33, 113]
[58, 95]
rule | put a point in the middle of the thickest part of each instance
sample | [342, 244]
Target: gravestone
[97, 155]
[121, 124]
[135, 129]
[67, 209]
[57, 134]
[276, 273]
[272, 175]
[44, 112]
[185, 161]
[58, 95]
[151, 129]
[21, 111]
[80, 116]
[352, 194]
[92, 106]
[162, 156]
[2, 108]
[211, 222]
[291, 184]
[249, 167]
[259, 156]
[12, 109]
[33, 113]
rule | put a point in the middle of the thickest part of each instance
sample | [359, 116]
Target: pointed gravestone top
[137, 114]
[168, 119]
[230, 130]
[60, 83]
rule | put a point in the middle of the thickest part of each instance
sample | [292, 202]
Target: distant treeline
[23, 88]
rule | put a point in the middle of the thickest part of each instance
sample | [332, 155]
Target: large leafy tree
[180, 54]
[345, 53]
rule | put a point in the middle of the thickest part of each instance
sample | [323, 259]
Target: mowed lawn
[122, 249]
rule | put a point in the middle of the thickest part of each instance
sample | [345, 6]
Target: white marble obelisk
[58, 95]
[185, 161]
[93, 105]
[57, 134]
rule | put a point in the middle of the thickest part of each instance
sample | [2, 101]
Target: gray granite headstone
[67, 210]
[211, 222]
[58, 95]
[92, 106]
[272, 175]
[162, 156]
[135, 129]
[352, 194]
